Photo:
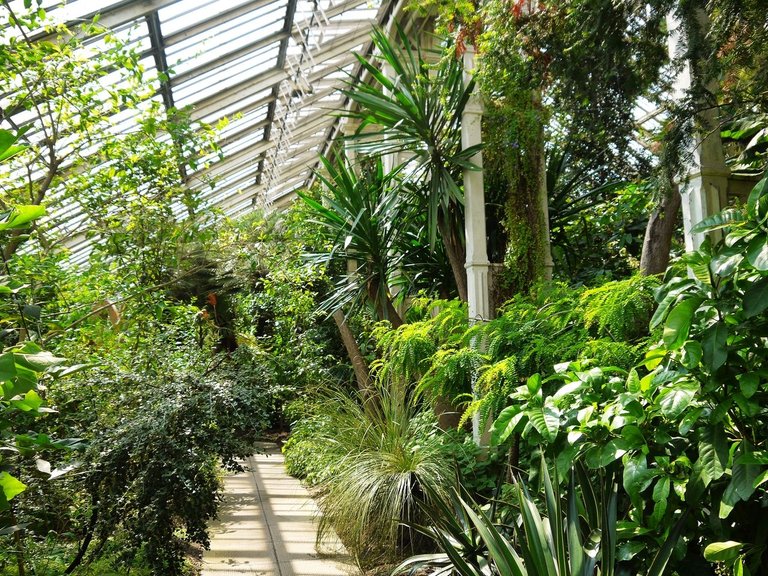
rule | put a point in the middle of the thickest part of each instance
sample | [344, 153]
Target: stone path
[267, 526]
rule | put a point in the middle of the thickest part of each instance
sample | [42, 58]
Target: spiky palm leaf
[362, 218]
[416, 111]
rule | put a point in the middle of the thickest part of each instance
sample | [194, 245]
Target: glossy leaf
[713, 453]
[505, 424]
[679, 321]
[714, 341]
[756, 298]
[546, 421]
[675, 399]
[757, 202]
[20, 216]
[757, 253]
[722, 551]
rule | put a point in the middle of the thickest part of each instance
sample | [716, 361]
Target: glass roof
[273, 68]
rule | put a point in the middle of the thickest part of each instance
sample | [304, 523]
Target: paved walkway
[266, 526]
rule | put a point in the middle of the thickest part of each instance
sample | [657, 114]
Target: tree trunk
[353, 350]
[385, 310]
[457, 254]
[544, 242]
[448, 416]
[658, 235]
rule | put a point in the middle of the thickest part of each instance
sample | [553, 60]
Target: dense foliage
[602, 422]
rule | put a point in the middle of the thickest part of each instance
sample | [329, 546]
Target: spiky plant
[389, 456]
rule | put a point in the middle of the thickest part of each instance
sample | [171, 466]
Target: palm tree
[416, 110]
[363, 218]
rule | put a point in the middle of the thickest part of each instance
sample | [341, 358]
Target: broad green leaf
[741, 487]
[652, 359]
[674, 288]
[722, 551]
[629, 550]
[753, 457]
[713, 453]
[748, 383]
[761, 479]
[679, 321]
[675, 399]
[29, 403]
[24, 381]
[720, 220]
[757, 202]
[39, 361]
[534, 384]
[11, 151]
[756, 298]
[504, 425]
[20, 216]
[634, 437]
[7, 139]
[613, 450]
[699, 263]
[660, 498]
[633, 382]
[757, 252]
[546, 421]
[11, 486]
[567, 389]
[7, 366]
[724, 264]
[31, 312]
[692, 353]
[714, 344]
[637, 476]
[689, 420]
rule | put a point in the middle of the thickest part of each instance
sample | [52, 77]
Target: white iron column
[477, 264]
[704, 182]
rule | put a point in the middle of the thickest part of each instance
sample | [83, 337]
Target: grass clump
[387, 454]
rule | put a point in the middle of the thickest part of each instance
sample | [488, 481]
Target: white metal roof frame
[274, 67]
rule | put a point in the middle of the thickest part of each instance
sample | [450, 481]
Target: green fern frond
[452, 372]
[620, 310]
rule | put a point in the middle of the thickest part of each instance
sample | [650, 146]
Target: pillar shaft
[477, 264]
[704, 181]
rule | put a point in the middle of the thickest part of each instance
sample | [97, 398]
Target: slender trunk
[88, 537]
[542, 222]
[457, 255]
[658, 235]
[18, 540]
[385, 310]
[448, 416]
[353, 350]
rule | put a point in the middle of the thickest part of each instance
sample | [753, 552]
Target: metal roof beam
[161, 62]
[238, 92]
[228, 58]
[209, 23]
[275, 75]
[116, 15]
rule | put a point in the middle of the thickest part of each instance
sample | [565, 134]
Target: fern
[605, 352]
[407, 353]
[496, 382]
[620, 310]
[452, 372]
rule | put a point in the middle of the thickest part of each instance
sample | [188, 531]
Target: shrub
[383, 452]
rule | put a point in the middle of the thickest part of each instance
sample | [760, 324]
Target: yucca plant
[416, 111]
[389, 456]
[361, 216]
[557, 544]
